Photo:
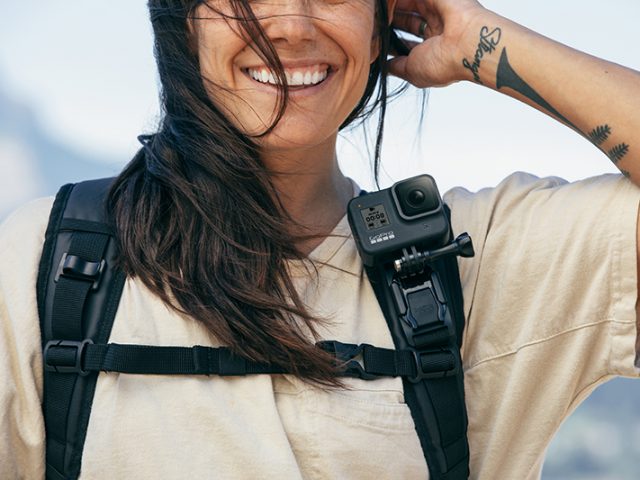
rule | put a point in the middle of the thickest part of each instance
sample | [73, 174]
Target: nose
[290, 21]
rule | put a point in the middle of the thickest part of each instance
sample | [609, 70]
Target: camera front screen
[375, 217]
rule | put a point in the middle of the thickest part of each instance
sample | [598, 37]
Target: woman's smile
[302, 81]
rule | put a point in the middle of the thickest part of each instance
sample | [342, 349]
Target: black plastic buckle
[421, 374]
[348, 358]
[72, 266]
[78, 355]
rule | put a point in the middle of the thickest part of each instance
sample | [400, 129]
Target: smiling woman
[229, 143]
[228, 233]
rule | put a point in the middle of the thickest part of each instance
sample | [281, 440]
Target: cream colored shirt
[550, 301]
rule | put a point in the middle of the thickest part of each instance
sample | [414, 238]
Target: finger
[406, 5]
[410, 44]
[415, 6]
[410, 23]
[398, 67]
[418, 7]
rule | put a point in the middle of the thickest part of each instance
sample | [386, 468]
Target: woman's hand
[437, 61]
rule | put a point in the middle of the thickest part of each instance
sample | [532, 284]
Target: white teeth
[294, 79]
[297, 79]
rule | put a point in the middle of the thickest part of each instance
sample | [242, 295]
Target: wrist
[479, 48]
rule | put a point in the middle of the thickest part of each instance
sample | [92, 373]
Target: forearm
[598, 99]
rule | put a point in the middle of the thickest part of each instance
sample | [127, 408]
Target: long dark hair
[199, 221]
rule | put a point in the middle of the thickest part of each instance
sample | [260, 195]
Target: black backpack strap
[79, 291]
[359, 361]
[436, 400]
[78, 295]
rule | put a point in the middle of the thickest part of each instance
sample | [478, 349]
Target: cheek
[216, 59]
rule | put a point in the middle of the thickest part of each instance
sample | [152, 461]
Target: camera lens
[416, 198]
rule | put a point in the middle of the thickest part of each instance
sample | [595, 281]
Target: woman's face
[326, 48]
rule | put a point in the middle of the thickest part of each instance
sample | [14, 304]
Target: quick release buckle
[435, 363]
[72, 266]
[65, 356]
[348, 357]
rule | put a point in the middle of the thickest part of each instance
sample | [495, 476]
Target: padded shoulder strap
[437, 402]
[78, 295]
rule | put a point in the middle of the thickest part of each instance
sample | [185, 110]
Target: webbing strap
[68, 305]
[362, 361]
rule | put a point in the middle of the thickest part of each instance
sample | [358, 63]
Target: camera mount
[404, 237]
[415, 262]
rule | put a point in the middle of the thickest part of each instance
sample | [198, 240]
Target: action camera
[409, 214]
[404, 237]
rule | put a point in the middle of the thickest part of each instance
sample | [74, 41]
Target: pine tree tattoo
[600, 134]
[618, 152]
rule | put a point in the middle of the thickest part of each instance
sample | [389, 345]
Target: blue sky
[87, 69]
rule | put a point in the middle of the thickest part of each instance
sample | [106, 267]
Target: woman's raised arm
[464, 41]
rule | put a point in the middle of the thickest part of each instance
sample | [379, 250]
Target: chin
[297, 133]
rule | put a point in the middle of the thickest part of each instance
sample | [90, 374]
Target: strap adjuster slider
[65, 356]
[436, 363]
[72, 266]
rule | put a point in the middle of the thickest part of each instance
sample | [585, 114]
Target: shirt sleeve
[22, 438]
[550, 306]
[551, 256]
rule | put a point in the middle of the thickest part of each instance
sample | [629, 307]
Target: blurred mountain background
[32, 163]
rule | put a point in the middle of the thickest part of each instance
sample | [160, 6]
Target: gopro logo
[381, 237]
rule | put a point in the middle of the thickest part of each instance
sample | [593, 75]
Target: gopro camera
[409, 214]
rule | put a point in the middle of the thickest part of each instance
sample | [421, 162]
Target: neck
[312, 189]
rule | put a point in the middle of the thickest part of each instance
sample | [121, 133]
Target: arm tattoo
[618, 152]
[600, 134]
[488, 42]
[508, 78]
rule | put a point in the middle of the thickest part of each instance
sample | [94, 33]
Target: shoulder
[24, 230]
[520, 185]
[523, 202]
[21, 241]
[22, 237]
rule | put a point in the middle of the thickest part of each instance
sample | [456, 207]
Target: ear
[192, 37]
[375, 41]
[391, 7]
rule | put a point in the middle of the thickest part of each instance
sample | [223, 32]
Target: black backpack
[79, 291]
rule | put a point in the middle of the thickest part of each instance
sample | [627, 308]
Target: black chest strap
[358, 361]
